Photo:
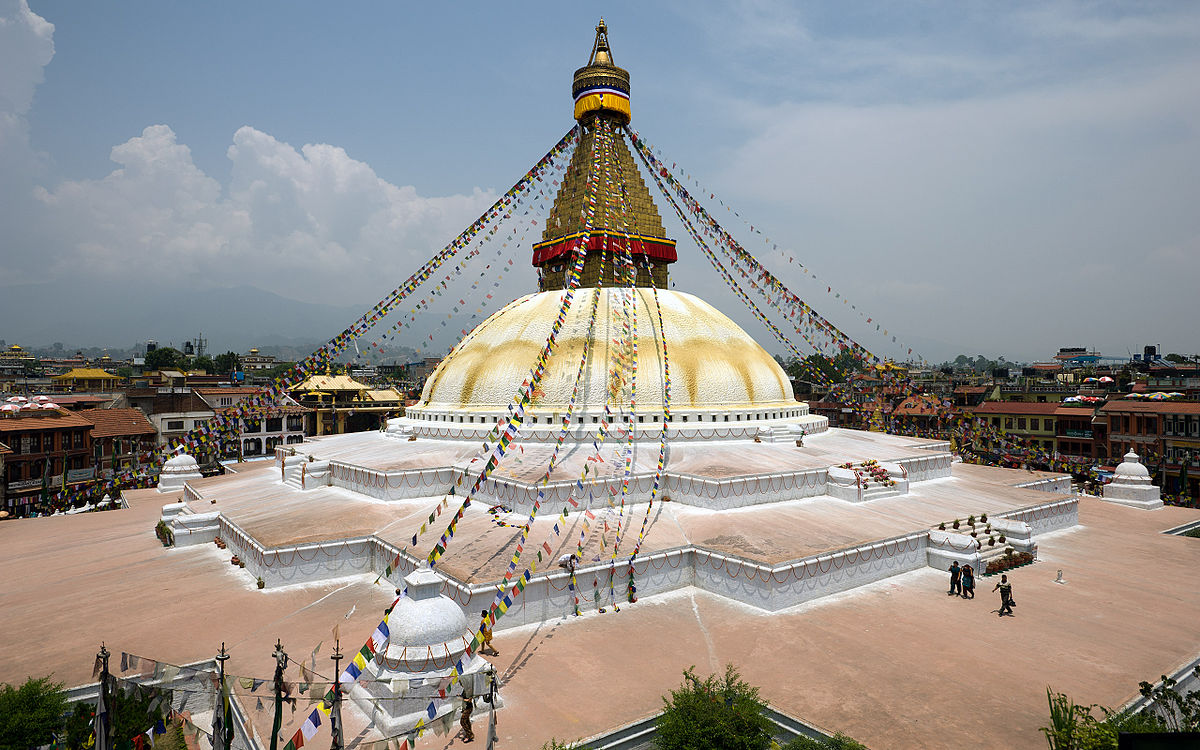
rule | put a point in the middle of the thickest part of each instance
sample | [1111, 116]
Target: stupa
[725, 386]
[1131, 485]
[748, 521]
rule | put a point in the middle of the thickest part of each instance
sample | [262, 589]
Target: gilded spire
[601, 53]
[624, 218]
[600, 87]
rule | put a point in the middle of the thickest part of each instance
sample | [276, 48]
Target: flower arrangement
[1009, 560]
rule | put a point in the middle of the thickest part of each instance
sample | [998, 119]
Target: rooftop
[118, 422]
[41, 419]
[1015, 407]
[87, 373]
[896, 647]
[1152, 407]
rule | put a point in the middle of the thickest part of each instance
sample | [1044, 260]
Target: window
[1008, 423]
[79, 439]
[1035, 424]
[226, 401]
[996, 422]
[174, 424]
[251, 426]
[1020, 423]
[295, 423]
[275, 424]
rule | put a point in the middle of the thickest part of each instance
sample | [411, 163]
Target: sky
[995, 178]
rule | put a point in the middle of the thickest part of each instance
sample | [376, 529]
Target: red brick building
[1167, 433]
[50, 446]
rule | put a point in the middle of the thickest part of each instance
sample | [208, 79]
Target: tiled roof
[41, 419]
[87, 373]
[972, 389]
[920, 406]
[118, 422]
[4, 449]
[1075, 411]
[1153, 407]
[1015, 407]
[330, 383]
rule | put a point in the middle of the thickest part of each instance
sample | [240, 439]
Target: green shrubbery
[1076, 727]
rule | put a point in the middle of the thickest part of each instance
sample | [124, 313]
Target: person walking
[1006, 600]
[485, 633]
[464, 720]
[955, 579]
[968, 582]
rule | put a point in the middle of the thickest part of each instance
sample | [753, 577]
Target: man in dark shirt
[955, 578]
[1006, 600]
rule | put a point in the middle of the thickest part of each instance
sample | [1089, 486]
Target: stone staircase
[302, 474]
[846, 484]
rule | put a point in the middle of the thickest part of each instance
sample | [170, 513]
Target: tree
[714, 714]
[224, 364]
[32, 713]
[125, 371]
[203, 363]
[166, 358]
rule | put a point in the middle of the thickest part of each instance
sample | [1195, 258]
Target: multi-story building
[282, 424]
[173, 410]
[923, 414]
[50, 447]
[1033, 422]
[1076, 434]
[88, 379]
[339, 404]
[1167, 432]
[253, 361]
[122, 440]
[4, 451]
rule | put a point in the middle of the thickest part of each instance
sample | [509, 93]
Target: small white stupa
[428, 633]
[176, 471]
[1131, 485]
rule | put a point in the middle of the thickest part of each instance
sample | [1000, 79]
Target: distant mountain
[119, 316]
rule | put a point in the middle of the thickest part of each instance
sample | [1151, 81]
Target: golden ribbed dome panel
[715, 365]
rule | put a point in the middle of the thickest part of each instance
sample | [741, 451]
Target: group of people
[962, 583]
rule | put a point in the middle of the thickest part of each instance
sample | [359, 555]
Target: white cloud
[303, 223]
[26, 46]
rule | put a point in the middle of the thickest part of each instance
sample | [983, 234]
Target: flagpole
[101, 727]
[491, 738]
[335, 713]
[281, 662]
[221, 734]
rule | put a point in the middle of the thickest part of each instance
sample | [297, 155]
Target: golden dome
[716, 367]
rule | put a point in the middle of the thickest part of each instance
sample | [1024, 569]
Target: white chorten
[176, 471]
[1131, 485]
[428, 633]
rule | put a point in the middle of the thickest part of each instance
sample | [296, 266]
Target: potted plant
[164, 533]
[1003, 539]
[241, 563]
[956, 523]
[970, 520]
[234, 560]
[983, 517]
[261, 583]
[942, 526]
[991, 541]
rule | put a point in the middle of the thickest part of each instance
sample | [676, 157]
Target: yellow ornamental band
[589, 103]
